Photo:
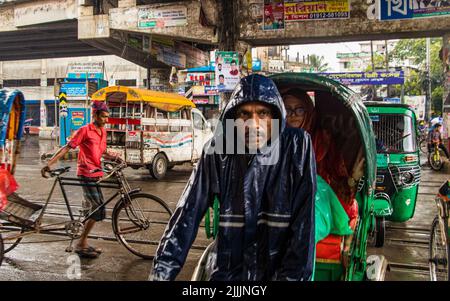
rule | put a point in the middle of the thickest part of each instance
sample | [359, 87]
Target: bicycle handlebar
[57, 172]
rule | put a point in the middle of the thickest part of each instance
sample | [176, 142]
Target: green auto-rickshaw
[342, 113]
[398, 166]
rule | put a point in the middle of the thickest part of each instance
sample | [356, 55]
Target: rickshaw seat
[329, 249]
[20, 211]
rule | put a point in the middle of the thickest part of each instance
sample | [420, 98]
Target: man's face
[233, 66]
[256, 126]
[221, 80]
[101, 118]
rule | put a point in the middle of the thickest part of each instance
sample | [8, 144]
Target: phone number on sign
[329, 15]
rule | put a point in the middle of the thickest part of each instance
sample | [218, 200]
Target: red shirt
[92, 146]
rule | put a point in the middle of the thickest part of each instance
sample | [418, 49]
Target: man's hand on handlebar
[44, 171]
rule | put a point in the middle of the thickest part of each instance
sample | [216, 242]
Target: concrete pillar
[43, 114]
[446, 95]
[127, 3]
[43, 73]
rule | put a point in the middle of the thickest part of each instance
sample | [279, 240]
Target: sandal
[98, 250]
[88, 252]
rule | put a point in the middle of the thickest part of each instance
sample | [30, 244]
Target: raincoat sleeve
[183, 225]
[298, 261]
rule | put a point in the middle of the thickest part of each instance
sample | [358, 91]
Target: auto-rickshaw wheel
[159, 166]
[380, 230]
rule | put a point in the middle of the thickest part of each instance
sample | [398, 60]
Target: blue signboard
[73, 89]
[392, 99]
[367, 78]
[256, 65]
[394, 10]
[83, 75]
[409, 9]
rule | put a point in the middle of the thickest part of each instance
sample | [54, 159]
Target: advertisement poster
[227, 70]
[417, 103]
[77, 118]
[409, 9]
[161, 18]
[299, 10]
[168, 55]
[367, 78]
[273, 15]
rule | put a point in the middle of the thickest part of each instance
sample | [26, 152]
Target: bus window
[175, 116]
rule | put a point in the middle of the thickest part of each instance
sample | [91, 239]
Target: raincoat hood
[255, 88]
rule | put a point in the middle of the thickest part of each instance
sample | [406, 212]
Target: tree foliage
[414, 51]
[318, 63]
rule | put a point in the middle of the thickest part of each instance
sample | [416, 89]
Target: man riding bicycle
[435, 138]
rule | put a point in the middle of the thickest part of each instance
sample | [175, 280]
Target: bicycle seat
[59, 171]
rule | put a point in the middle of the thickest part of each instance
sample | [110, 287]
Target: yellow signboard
[316, 10]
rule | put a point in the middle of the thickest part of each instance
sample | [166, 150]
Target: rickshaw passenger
[331, 166]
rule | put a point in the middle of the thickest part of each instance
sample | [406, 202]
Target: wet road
[43, 257]
[406, 244]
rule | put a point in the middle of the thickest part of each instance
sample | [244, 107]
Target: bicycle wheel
[423, 145]
[439, 252]
[10, 232]
[435, 161]
[140, 224]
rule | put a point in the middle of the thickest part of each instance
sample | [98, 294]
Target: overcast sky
[327, 50]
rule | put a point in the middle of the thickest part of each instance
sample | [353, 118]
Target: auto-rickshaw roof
[162, 100]
[351, 100]
[396, 107]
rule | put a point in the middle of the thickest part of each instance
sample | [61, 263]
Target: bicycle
[435, 158]
[138, 219]
[439, 244]
[423, 140]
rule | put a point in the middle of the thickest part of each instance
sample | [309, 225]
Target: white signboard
[276, 65]
[87, 67]
[163, 17]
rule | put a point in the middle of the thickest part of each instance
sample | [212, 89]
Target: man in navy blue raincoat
[266, 229]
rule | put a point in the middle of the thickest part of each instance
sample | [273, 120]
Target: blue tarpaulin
[7, 98]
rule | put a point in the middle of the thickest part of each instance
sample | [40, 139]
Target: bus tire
[159, 166]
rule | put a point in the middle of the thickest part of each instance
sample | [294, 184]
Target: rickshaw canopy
[170, 102]
[12, 110]
[352, 101]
